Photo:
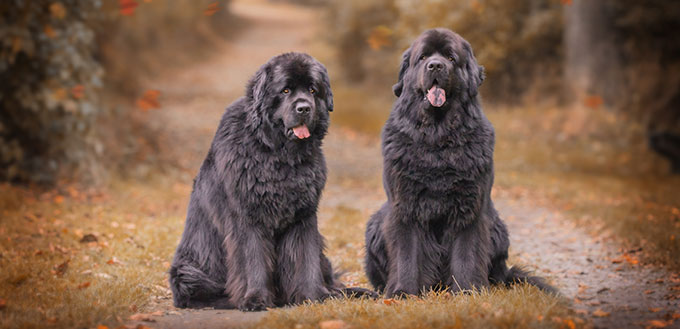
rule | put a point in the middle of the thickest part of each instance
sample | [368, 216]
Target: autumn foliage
[63, 62]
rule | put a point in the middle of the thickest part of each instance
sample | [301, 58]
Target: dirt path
[584, 268]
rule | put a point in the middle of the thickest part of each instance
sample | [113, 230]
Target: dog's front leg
[469, 261]
[403, 249]
[299, 262]
[250, 251]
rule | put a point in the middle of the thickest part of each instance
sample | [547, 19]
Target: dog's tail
[517, 274]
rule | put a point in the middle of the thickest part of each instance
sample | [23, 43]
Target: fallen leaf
[52, 320]
[61, 269]
[141, 326]
[601, 314]
[59, 199]
[149, 100]
[570, 323]
[78, 91]
[658, 324]
[655, 309]
[114, 261]
[3, 303]
[101, 326]
[390, 301]
[148, 317]
[675, 316]
[649, 292]
[57, 10]
[49, 31]
[84, 285]
[566, 2]
[593, 101]
[88, 238]
[127, 7]
[332, 324]
[211, 9]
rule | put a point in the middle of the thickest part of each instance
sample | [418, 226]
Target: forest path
[606, 289]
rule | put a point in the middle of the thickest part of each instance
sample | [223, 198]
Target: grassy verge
[519, 307]
[50, 278]
[578, 161]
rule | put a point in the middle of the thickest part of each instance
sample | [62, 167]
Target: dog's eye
[451, 58]
[421, 57]
[286, 91]
[312, 91]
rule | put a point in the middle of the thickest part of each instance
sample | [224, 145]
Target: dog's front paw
[400, 292]
[254, 303]
[317, 294]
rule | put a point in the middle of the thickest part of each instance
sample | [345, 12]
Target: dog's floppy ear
[405, 63]
[475, 72]
[328, 94]
[257, 86]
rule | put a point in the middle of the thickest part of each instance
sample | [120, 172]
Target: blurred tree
[628, 52]
[49, 92]
[518, 41]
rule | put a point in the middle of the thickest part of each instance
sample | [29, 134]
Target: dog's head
[292, 93]
[439, 66]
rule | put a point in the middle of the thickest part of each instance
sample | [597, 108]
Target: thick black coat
[251, 238]
[438, 226]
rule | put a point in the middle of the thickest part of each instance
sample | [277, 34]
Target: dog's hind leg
[376, 255]
[499, 273]
[193, 288]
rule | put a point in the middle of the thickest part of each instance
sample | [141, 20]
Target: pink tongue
[301, 131]
[436, 96]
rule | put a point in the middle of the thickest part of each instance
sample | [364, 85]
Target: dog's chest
[279, 191]
[441, 168]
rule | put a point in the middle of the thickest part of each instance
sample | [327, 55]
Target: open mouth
[436, 95]
[301, 131]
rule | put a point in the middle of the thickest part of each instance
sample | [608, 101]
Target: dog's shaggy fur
[251, 239]
[438, 227]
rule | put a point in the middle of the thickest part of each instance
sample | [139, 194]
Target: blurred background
[75, 87]
[108, 107]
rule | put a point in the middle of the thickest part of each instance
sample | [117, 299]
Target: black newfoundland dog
[438, 227]
[251, 239]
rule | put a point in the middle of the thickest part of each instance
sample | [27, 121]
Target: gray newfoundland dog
[438, 227]
[251, 239]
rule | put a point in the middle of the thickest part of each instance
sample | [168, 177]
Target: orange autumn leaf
[593, 101]
[333, 324]
[211, 9]
[149, 100]
[3, 303]
[49, 31]
[127, 7]
[390, 301]
[601, 314]
[101, 326]
[60, 94]
[657, 324]
[84, 285]
[57, 10]
[570, 323]
[380, 36]
[59, 199]
[78, 91]
[16, 45]
[566, 2]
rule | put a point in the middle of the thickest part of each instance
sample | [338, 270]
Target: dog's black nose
[302, 108]
[435, 65]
